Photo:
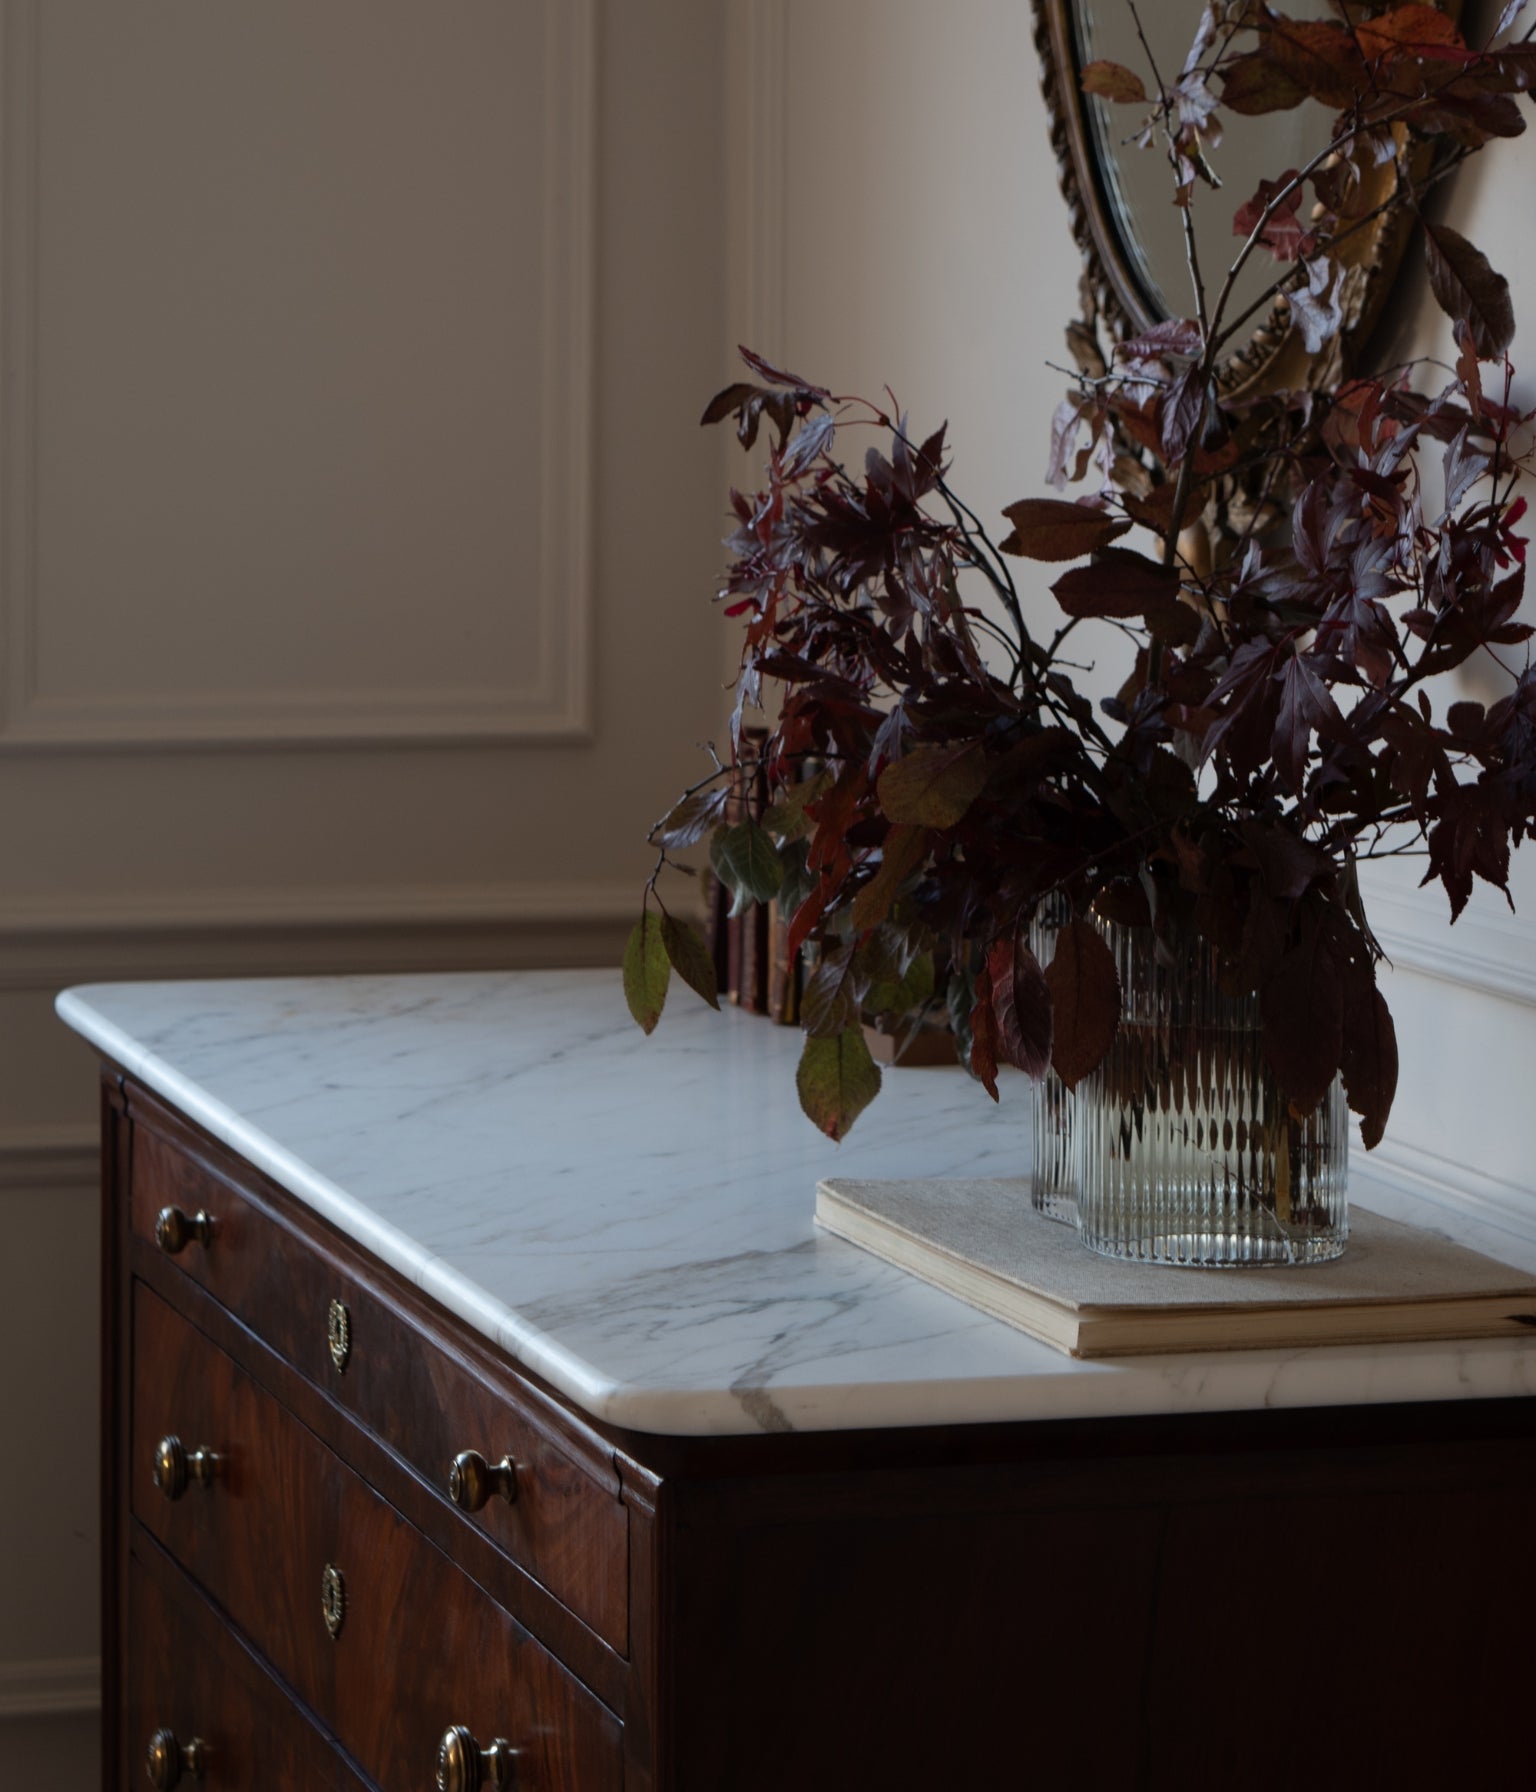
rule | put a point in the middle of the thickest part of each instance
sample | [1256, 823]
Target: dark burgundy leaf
[1085, 1001]
[830, 1003]
[1053, 529]
[986, 1052]
[1303, 1017]
[1182, 412]
[1320, 58]
[814, 438]
[1306, 707]
[776, 377]
[1021, 1001]
[1117, 583]
[727, 402]
[1369, 1063]
[1257, 84]
[1469, 289]
[1175, 338]
[1408, 29]
[1281, 232]
[1288, 864]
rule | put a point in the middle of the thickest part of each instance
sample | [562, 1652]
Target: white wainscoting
[1485, 950]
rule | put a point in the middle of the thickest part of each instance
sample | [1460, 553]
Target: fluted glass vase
[1053, 1171]
[1189, 1152]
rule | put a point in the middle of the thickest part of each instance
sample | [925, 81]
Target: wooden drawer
[567, 1526]
[188, 1675]
[416, 1647]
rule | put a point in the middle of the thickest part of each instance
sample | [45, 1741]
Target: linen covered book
[985, 1243]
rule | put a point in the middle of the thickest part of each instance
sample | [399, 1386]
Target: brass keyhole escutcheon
[338, 1334]
[333, 1599]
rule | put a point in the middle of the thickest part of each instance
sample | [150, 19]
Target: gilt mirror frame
[1272, 355]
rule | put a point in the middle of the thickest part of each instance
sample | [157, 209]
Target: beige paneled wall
[357, 539]
[358, 532]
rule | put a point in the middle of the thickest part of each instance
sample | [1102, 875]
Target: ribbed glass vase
[1189, 1152]
[1052, 1171]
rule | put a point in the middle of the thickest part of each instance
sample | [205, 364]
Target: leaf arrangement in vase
[937, 776]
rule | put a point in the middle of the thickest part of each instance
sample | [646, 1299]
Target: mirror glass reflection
[1138, 183]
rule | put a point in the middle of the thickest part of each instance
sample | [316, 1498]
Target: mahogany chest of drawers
[350, 1544]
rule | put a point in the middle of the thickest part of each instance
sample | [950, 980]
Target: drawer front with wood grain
[201, 1711]
[564, 1522]
[376, 1630]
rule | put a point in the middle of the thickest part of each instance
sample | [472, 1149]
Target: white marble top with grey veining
[631, 1217]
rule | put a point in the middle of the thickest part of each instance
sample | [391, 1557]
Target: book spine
[716, 907]
[783, 971]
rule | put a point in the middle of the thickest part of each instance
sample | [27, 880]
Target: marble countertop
[631, 1218]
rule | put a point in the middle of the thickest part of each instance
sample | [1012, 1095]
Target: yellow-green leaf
[837, 1080]
[933, 786]
[646, 972]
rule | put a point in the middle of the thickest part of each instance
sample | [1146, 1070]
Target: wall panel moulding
[234, 934]
[373, 592]
[1486, 950]
[34, 1160]
[50, 1688]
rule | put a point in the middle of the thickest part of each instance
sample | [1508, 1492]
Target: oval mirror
[1121, 195]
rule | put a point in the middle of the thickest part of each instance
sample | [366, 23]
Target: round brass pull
[463, 1766]
[175, 1230]
[166, 1759]
[472, 1480]
[175, 1466]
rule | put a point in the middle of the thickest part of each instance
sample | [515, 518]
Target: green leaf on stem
[747, 863]
[837, 1080]
[646, 972]
[690, 958]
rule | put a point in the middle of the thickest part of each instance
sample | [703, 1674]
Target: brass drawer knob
[175, 1466]
[463, 1766]
[472, 1480]
[175, 1230]
[166, 1759]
